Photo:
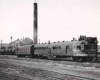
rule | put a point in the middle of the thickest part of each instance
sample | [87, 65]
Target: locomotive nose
[84, 42]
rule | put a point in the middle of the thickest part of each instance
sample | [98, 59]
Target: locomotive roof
[41, 45]
[67, 42]
[58, 43]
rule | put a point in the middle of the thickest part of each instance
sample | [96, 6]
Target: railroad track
[44, 74]
[56, 76]
[59, 61]
[6, 76]
[35, 73]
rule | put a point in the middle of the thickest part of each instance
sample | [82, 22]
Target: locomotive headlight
[84, 42]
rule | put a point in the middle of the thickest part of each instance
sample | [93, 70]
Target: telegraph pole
[1, 43]
[39, 40]
[11, 39]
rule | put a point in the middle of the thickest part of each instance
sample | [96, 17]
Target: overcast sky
[58, 20]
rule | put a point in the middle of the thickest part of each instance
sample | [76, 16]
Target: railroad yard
[13, 68]
[41, 58]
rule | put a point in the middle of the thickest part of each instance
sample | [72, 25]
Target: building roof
[24, 41]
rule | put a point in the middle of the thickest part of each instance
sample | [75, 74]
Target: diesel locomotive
[83, 49]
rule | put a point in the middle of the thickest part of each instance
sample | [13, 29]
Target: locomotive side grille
[90, 47]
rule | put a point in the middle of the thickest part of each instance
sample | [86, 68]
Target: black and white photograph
[49, 39]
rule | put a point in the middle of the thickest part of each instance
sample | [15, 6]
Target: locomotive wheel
[76, 58]
[37, 56]
[18, 55]
[96, 58]
[31, 56]
[90, 59]
[54, 57]
[49, 57]
[84, 59]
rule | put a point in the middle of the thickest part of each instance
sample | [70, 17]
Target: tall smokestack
[35, 25]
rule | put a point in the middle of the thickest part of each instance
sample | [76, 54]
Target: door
[49, 54]
[67, 49]
[32, 51]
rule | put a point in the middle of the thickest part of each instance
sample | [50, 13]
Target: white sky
[57, 19]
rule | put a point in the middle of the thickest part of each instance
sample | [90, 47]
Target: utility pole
[39, 40]
[11, 39]
[1, 43]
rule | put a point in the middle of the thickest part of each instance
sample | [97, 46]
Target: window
[78, 47]
[94, 46]
[59, 47]
[53, 48]
[88, 47]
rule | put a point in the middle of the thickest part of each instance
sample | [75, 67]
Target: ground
[13, 68]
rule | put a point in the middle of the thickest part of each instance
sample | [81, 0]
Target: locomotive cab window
[94, 46]
[78, 47]
[87, 47]
[53, 47]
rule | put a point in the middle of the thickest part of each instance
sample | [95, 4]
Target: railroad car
[40, 50]
[2, 51]
[22, 51]
[13, 50]
[7, 51]
[99, 52]
[85, 48]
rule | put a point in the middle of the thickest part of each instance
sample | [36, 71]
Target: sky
[58, 20]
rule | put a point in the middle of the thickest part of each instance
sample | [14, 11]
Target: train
[7, 50]
[83, 49]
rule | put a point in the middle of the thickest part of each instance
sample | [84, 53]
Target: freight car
[83, 49]
[7, 51]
